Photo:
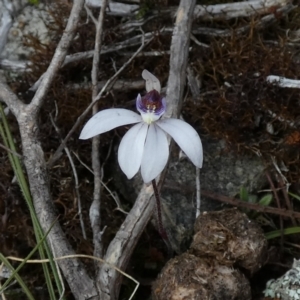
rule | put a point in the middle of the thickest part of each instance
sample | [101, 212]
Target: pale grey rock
[9, 9]
[223, 173]
[287, 287]
[31, 20]
[5, 272]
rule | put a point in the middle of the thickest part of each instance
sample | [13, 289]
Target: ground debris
[230, 237]
[224, 240]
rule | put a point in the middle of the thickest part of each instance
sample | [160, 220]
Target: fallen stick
[121, 247]
[254, 206]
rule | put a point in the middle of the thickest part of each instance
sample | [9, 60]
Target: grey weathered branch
[118, 85]
[95, 217]
[89, 54]
[57, 153]
[121, 247]
[263, 22]
[81, 284]
[283, 81]
[75, 179]
[15, 66]
[115, 8]
[237, 9]
[58, 58]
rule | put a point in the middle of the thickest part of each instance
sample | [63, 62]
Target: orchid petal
[108, 119]
[186, 137]
[152, 83]
[156, 153]
[131, 149]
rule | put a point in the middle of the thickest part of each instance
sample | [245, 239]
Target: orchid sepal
[186, 137]
[145, 145]
[156, 153]
[152, 82]
[131, 149]
[108, 119]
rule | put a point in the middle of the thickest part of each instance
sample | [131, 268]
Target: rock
[188, 277]
[31, 20]
[224, 173]
[231, 238]
[287, 287]
[224, 240]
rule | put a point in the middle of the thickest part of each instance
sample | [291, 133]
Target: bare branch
[75, 178]
[10, 151]
[95, 217]
[15, 66]
[118, 85]
[238, 9]
[57, 153]
[78, 279]
[115, 8]
[283, 81]
[178, 59]
[10, 99]
[89, 54]
[59, 56]
[121, 247]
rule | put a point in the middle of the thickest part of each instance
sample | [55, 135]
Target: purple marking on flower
[151, 107]
[151, 102]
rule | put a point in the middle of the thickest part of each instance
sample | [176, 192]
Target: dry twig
[121, 247]
[254, 206]
[75, 178]
[95, 217]
[73, 270]
[57, 153]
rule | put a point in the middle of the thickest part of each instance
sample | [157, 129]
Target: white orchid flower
[145, 145]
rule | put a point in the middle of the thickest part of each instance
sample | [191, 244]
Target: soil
[235, 105]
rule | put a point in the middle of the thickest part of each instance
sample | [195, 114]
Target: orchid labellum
[145, 145]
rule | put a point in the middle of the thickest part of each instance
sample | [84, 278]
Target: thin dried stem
[121, 247]
[254, 206]
[95, 217]
[279, 206]
[75, 179]
[57, 153]
[10, 151]
[81, 285]
[112, 194]
[58, 57]
[287, 198]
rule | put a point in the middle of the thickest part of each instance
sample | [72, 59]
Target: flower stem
[161, 228]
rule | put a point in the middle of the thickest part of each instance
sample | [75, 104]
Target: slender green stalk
[17, 277]
[277, 233]
[15, 162]
[15, 271]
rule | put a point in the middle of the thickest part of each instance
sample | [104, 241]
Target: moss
[239, 106]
